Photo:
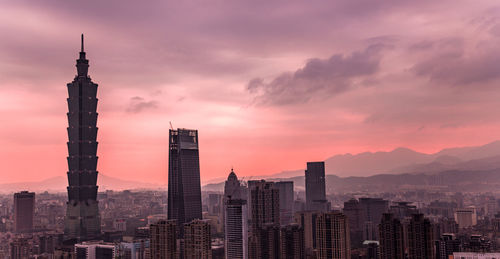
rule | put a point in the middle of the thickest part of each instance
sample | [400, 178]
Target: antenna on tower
[171, 127]
[82, 42]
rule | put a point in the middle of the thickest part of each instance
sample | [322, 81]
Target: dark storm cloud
[452, 64]
[319, 78]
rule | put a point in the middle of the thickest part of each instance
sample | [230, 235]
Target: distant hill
[452, 180]
[404, 160]
[59, 184]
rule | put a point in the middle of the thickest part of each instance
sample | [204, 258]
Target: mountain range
[404, 160]
[464, 167]
[59, 183]
[364, 171]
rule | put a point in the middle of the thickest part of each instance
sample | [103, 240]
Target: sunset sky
[269, 85]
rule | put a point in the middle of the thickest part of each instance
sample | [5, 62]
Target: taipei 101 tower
[82, 215]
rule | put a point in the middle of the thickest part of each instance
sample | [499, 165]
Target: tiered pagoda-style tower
[82, 215]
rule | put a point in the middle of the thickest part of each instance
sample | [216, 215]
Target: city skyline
[264, 95]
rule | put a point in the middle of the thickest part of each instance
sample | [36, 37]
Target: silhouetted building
[315, 186]
[371, 210]
[371, 249]
[332, 236]
[82, 220]
[292, 242]
[264, 203]
[446, 246]
[24, 211]
[420, 238]
[391, 237]
[236, 229]
[163, 242]
[264, 243]
[286, 201]
[197, 240]
[265, 218]
[20, 249]
[233, 188]
[352, 210]
[307, 221]
[184, 191]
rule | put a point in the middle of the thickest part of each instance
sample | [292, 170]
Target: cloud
[319, 78]
[458, 61]
[139, 104]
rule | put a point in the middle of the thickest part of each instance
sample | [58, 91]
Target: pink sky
[269, 85]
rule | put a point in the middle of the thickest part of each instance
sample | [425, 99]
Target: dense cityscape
[268, 218]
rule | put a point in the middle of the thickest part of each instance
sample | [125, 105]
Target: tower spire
[82, 43]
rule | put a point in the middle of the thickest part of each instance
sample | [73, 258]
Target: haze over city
[269, 86]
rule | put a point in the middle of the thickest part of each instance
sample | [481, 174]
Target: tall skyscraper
[24, 211]
[184, 191]
[286, 201]
[315, 186]
[391, 237]
[163, 242]
[292, 242]
[82, 214]
[332, 236]
[236, 229]
[197, 240]
[420, 238]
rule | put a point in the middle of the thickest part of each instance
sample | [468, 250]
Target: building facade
[332, 236]
[197, 240]
[420, 238]
[184, 191]
[24, 211]
[286, 201]
[163, 242]
[82, 220]
[292, 244]
[236, 229]
[391, 237]
[315, 187]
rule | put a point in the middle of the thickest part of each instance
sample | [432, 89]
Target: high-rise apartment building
[447, 245]
[391, 237]
[264, 219]
[184, 191]
[82, 220]
[286, 201]
[307, 221]
[315, 187]
[371, 213]
[24, 211]
[163, 241]
[332, 236]
[292, 244]
[197, 240]
[264, 203]
[236, 229]
[420, 238]
[264, 243]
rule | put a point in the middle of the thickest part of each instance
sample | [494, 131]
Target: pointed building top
[82, 43]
